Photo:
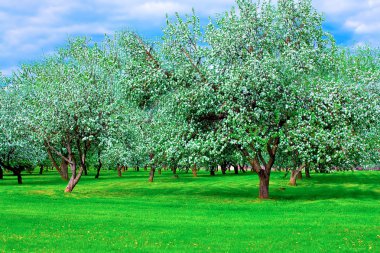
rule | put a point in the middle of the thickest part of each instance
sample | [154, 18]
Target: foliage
[18, 149]
[259, 82]
[72, 101]
[246, 78]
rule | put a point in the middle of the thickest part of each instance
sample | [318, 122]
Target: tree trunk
[264, 185]
[73, 181]
[41, 169]
[137, 168]
[174, 169]
[194, 170]
[146, 168]
[295, 175]
[307, 172]
[64, 170]
[85, 170]
[223, 168]
[236, 169]
[151, 174]
[97, 173]
[19, 178]
[159, 171]
[74, 176]
[212, 171]
[63, 173]
[299, 175]
[98, 168]
[293, 178]
[1, 173]
[119, 171]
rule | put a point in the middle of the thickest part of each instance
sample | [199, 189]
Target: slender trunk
[212, 171]
[299, 176]
[98, 168]
[85, 170]
[146, 168]
[307, 172]
[1, 173]
[64, 170]
[74, 177]
[295, 175]
[97, 173]
[137, 168]
[264, 185]
[194, 170]
[159, 171]
[243, 168]
[123, 168]
[119, 171]
[223, 168]
[63, 173]
[236, 169]
[41, 169]
[151, 174]
[174, 170]
[19, 178]
[293, 178]
[16, 171]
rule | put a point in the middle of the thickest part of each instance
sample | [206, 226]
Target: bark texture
[194, 170]
[307, 172]
[236, 169]
[264, 185]
[98, 167]
[296, 174]
[151, 174]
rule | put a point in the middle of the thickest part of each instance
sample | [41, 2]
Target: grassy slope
[337, 212]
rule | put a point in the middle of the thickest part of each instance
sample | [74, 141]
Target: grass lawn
[328, 213]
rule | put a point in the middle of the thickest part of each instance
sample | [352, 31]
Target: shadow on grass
[229, 187]
[319, 187]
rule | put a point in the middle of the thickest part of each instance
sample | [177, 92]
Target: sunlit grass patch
[327, 213]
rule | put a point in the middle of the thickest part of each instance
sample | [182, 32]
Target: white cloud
[29, 27]
[365, 22]
[361, 18]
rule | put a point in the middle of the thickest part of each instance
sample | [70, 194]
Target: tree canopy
[260, 82]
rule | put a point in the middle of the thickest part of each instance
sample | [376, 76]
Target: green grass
[329, 213]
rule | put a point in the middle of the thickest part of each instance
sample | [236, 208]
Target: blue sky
[32, 28]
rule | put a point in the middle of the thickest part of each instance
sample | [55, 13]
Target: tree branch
[194, 65]
[57, 152]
